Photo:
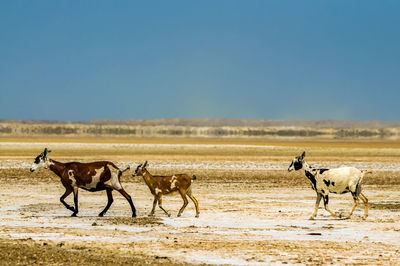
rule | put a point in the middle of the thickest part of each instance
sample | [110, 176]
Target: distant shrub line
[191, 131]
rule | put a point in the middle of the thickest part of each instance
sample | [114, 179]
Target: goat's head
[140, 170]
[41, 161]
[297, 162]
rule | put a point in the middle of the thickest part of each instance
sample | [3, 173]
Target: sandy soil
[241, 222]
[251, 212]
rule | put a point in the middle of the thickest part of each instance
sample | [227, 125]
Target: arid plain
[252, 211]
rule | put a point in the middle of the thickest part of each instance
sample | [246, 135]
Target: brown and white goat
[95, 176]
[337, 180]
[162, 185]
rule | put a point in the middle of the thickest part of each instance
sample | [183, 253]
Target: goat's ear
[145, 164]
[303, 155]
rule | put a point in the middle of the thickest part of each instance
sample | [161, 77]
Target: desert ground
[252, 211]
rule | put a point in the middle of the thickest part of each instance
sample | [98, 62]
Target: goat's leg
[365, 200]
[326, 200]
[160, 204]
[129, 199]
[75, 201]
[356, 201]
[66, 194]
[110, 201]
[154, 205]
[319, 197]
[185, 201]
[196, 204]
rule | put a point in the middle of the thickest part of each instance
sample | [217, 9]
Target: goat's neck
[308, 168]
[56, 167]
[148, 178]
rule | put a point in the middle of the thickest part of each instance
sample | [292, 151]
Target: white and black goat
[93, 176]
[337, 180]
[162, 185]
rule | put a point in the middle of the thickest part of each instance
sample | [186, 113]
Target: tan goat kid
[162, 185]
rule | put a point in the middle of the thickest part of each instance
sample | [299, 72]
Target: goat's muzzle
[32, 170]
[290, 168]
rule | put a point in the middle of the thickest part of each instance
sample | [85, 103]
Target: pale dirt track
[241, 222]
[251, 212]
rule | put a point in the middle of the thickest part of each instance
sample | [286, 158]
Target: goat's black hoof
[101, 214]
[134, 215]
[73, 215]
[345, 217]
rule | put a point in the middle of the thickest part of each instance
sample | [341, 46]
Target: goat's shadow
[328, 219]
[80, 216]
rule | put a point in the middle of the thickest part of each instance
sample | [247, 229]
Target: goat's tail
[194, 177]
[363, 172]
[367, 172]
[126, 169]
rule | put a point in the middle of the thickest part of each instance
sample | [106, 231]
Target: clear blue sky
[83, 60]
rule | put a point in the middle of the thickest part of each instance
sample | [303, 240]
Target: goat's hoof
[311, 218]
[169, 215]
[151, 215]
[73, 215]
[134, 215]
[101, 214]
[197, 216]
